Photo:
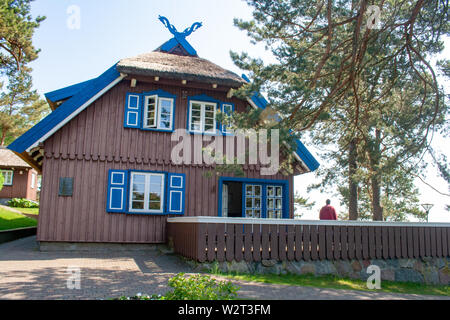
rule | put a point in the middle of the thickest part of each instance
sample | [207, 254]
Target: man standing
[327, 212]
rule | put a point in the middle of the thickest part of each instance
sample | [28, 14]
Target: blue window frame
[252, 194]
[146, 192]
[261, 198]
[274, 201]
[202, 111]
[152, 110]
[228, 109]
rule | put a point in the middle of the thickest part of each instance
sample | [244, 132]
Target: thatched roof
[10, 159]
[179, 67]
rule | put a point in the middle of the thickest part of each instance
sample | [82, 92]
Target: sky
[108, 31]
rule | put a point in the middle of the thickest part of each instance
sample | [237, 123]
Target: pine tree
[369, 91]
[17, 27]
[20, 106]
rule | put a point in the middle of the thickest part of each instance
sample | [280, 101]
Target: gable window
[202, 117]
[146, 192]
[8, 175]
[158, 113]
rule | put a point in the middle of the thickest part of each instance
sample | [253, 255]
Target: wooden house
[20, 179]
[105, 151]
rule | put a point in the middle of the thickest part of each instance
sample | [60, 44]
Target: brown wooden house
[105, 151]
[20, 179]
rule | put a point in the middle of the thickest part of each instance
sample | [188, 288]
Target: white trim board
[205, 219]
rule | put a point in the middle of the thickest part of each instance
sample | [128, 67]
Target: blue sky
[116, 29]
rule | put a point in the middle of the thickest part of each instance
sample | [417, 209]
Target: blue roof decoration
[179, 39]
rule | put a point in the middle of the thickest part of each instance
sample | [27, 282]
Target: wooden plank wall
[256, 242]
[96, 141]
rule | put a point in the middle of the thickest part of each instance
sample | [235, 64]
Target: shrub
[22, 203]
[195, 287]
[200, 287]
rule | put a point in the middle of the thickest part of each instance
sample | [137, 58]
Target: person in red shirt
[327, 212]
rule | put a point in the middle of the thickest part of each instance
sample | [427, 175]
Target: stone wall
[427, 270]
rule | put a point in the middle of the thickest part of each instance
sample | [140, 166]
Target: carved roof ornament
[187, 32]
[178, 44]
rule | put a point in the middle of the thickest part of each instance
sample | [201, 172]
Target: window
[202, 117]
[146, 192]
[228, 110]
[8, 175]
[158, 113]
[274, 198]
[253, 196]
[33, 180]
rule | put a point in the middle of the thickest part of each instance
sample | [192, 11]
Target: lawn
[34, 211]
[13, 220]
[333, 282]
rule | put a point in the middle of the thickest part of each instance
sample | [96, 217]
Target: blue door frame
[263, 183]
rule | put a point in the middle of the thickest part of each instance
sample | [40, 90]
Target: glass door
[252, 200]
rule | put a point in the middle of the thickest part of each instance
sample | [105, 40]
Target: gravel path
[27, 273]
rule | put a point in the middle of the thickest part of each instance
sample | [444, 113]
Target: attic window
[202, 117]
[158, 112]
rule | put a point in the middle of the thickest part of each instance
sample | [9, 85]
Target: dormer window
[202, 116]
[153, 110]
[158, 113]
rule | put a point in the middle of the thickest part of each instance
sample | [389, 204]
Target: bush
[196, 287]
[22, 203]
[200, 287]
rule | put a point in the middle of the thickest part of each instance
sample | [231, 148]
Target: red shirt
[328, 213]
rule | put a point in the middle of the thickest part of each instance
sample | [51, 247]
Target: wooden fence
[226, 239]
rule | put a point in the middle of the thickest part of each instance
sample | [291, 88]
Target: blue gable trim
[178, 40]
[65, 110]
[301, 150]
[306, 156]
[67, 92]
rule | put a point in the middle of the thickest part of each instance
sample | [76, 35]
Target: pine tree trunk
[353, 186]
[377, 210]
[2, 141]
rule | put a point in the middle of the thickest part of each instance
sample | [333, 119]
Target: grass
[333, 282]
[13, 220]
[34, 211]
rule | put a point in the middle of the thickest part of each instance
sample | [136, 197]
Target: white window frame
[157, 122]
[146, 192]
[33, 180]
[253, 196]
[274, 198]
[8, 175]
[202, 116]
